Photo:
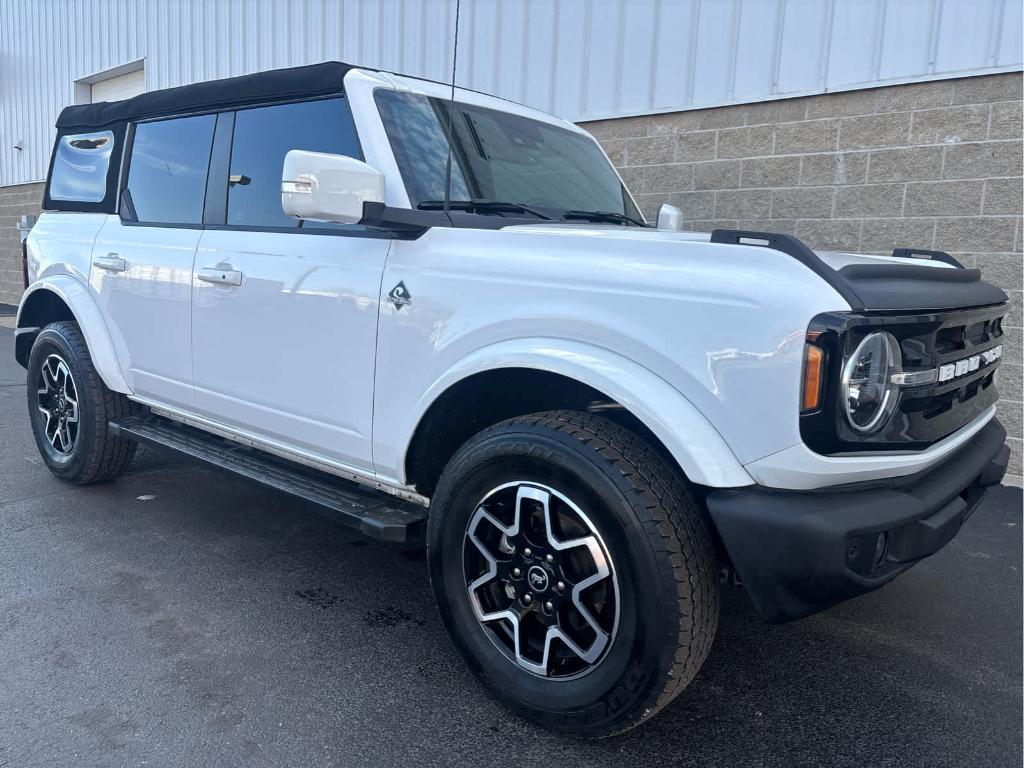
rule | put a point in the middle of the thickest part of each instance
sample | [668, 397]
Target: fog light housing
[881, 547]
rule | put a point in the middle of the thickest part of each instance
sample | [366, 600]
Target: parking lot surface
[182, 617]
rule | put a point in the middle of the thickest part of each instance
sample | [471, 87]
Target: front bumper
[802, 552]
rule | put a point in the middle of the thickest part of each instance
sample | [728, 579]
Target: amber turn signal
[814, 368]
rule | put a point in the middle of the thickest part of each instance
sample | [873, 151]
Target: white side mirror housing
[670, 218]
[325, 187]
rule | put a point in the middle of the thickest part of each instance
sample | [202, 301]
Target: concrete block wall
[14, 201]
[933, 165]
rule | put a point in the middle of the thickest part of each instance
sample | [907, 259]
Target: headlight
[868, 392]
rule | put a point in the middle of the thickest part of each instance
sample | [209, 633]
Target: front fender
[90, 320]
[694, 443]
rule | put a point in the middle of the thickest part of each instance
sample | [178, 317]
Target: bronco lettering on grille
[954, 370]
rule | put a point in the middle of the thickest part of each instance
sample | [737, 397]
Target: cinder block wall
[933, 165]
[14, 201]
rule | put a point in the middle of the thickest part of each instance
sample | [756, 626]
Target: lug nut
[549, 558]
[527, 552]
[560, 586]
[527, 598]
[517, 572]
[549, 606]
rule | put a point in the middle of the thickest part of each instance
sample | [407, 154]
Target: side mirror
[670, 218]
[317, 185]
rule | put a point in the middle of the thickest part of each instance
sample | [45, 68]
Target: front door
[284, 318]
[142, 260]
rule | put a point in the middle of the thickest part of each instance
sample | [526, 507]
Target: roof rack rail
[792, 247]
[921, 253]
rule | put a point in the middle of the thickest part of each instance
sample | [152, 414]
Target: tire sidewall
[52, 340]
[636, 659]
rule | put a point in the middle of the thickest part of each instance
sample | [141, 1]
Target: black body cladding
[794, 560]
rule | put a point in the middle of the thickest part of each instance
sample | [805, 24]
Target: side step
[375, 513]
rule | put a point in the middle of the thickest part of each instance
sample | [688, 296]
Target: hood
[869, 283]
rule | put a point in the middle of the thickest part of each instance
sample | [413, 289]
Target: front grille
[924, 414]
[947, 406]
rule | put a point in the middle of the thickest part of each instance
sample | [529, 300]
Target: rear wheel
[70, 407]
[574, 571]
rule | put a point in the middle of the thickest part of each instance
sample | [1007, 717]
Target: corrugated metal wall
[581, 59]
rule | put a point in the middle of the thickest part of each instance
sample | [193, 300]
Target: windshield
[497, 156]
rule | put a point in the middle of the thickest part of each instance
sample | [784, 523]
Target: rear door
[142, 259]
[284, 321]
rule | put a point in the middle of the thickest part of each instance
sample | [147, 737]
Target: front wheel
[573, 570]
[70, 409]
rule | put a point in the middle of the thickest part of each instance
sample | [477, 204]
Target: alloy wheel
[540, 580]
[58, 404]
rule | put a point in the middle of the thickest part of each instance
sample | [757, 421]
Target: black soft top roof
[276, 85]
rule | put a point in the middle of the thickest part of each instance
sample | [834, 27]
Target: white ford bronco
[479, 344]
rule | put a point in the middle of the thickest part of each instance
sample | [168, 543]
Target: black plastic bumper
[802, 552]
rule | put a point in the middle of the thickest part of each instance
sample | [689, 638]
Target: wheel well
[40, 309]
[483, 399]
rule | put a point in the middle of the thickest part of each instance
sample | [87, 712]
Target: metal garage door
[120, 87]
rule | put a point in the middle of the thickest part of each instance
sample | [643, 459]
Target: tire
[81, 448]
[602, 485]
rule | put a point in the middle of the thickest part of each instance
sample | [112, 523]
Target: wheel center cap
[538, 578]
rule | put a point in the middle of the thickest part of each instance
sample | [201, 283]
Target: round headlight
[868, 392]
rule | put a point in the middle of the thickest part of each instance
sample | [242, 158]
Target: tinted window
[416, 127]
[263, 136]
[497, 156]
[167, 170]
[80, 167]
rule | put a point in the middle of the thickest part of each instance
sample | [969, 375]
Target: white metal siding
[581, 59]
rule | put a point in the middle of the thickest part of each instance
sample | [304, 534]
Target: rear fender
[89, 318]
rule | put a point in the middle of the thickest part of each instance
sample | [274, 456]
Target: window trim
[122, 186]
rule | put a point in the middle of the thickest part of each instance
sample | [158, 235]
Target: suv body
[819, 422]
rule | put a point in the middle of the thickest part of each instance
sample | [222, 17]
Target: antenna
[451, 118]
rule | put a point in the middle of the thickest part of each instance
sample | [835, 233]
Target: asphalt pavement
[180, 616]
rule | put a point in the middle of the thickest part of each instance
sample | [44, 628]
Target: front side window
[168, 167]
[497, 156]
[263, 136]
[80, 167]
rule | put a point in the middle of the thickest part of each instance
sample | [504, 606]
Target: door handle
[220, 276]
[111, 262]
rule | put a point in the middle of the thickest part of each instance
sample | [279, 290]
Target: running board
[374, 513]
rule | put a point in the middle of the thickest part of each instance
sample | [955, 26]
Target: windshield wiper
[480, 206]
[603, 216]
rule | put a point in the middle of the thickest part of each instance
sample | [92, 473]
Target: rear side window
[80, 167]
[263, 136]
[167, 170]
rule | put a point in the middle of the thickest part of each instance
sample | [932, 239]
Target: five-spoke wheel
[58, 404]
[540, 580]
[573, 569]
[70, 409]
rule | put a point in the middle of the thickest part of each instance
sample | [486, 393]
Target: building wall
[14, 201]
[933, 165]
[580, 59]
